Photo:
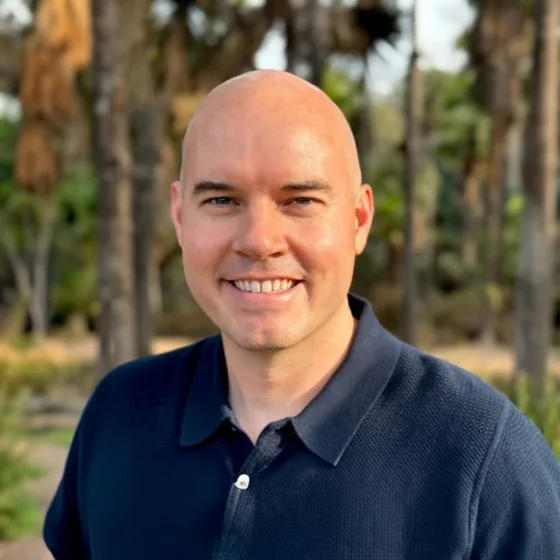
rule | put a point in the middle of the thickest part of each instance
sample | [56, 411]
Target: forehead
[250, 149]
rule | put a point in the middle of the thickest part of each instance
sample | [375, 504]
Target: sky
[440, 23]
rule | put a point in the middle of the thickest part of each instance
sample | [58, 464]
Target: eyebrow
[309, 186]
[203, 187]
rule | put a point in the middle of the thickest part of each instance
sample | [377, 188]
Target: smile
[265, 287]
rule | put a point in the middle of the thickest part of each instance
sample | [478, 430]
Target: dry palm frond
[60, 91]
[48, 85]
[52, 24]
[37, 166]
[59, 47]
[65, 26]
[79, 48]
[35, 67]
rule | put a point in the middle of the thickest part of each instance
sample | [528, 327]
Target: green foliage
[73, 267]
[19, 513]
[453, 117]
[38, 377]
[62, 437]
[345, 91]
[75, 246]
[511, 233]
[456, 316]
[544, 412]
[389, 201]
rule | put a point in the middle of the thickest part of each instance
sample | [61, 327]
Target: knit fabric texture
[401, 457]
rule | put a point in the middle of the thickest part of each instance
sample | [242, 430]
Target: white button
[242, 482]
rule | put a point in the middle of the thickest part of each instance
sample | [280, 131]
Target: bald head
[276, 104]
[271, 192]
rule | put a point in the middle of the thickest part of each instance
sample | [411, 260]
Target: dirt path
[489, 361]
[493, 360]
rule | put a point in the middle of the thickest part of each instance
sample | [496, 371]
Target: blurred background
[454, 106]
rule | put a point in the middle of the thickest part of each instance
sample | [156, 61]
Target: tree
[56, 49]
[500, 46]
[455, 134]
[536, 261]
[112, 158]
[145, 119]
[412, 146]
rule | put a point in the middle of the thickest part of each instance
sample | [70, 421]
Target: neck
[271, 385]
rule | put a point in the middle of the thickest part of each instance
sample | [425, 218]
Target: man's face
[269, 226]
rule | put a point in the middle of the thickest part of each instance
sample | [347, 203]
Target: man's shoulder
[153, 376]
[437, 397]
[441, 381]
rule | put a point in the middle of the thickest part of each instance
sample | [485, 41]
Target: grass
[58, 436]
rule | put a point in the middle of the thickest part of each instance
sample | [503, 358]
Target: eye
[303, 201]
[220, 201]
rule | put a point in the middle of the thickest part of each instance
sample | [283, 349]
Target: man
[305, 430]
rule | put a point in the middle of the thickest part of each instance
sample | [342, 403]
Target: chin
[262, 341]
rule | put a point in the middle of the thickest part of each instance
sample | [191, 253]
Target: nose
[260, 233]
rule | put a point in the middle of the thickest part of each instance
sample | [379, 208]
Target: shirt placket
[242, 498]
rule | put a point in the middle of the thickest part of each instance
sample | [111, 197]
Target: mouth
[276, 286]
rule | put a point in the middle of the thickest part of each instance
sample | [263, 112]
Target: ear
[363, 217]
[177, 209]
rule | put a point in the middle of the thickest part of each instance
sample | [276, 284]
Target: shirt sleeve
[518, 514]
[62, 530]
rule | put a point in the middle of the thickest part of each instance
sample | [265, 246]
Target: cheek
[202, 243]
[326, 243]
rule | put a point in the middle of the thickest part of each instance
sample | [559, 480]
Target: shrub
[546, 413]
[40, 377]
[19, 513]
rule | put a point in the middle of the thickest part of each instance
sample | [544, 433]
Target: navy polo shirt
[401, 456]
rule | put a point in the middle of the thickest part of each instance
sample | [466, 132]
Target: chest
[271, 502]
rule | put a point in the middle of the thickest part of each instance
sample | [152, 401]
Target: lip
[263, 299]
[262, 278]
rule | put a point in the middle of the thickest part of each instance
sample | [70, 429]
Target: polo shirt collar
[328, 423]
[330, 420]
[207, 403]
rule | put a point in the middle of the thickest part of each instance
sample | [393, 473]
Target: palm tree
[412, 145]
[112, 158]
[499, 48]
[534, 293]
[55, 50]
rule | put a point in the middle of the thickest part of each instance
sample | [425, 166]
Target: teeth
[268, 286]
[255, 287]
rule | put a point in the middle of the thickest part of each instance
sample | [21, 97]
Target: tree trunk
[112, 154]
[514, 152]
[534, 294]
[410, 299]
[473, 175]
[144, 110]
[317, 56]
[30, 265]
[364, 125]
[21, 272]
[305, 53]
[39, 305]
[145, 184]
[493, 245]
[429, 187]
